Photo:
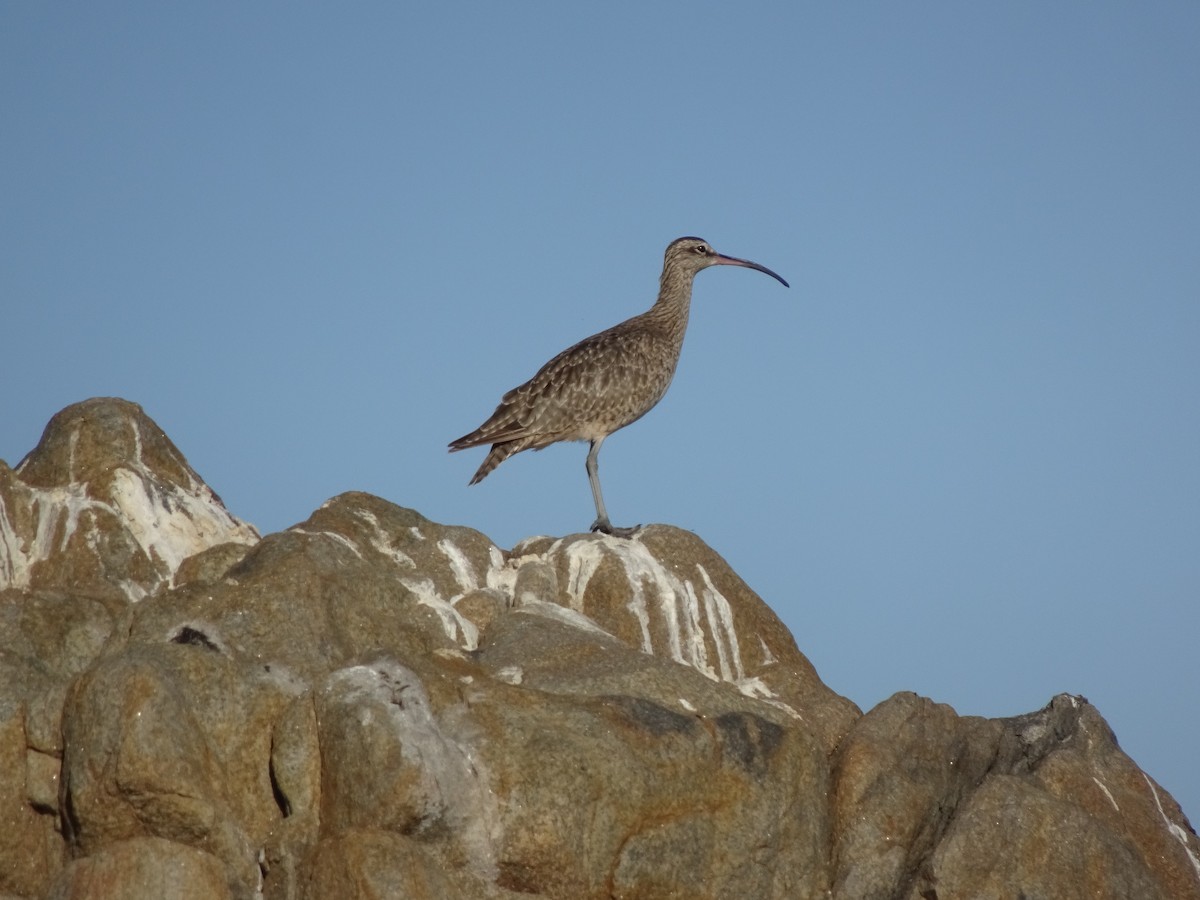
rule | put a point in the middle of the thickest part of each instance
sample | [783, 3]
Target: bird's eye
[702, 249]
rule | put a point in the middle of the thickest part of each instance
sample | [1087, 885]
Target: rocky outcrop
[370, 704]
[106, 507]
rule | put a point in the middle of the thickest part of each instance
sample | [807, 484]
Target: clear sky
[960, 456]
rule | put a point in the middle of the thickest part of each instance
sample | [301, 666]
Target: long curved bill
[723, 260]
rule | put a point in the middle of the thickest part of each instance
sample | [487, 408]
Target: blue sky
[959, 456]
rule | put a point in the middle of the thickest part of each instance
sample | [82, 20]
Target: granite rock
[371, 704]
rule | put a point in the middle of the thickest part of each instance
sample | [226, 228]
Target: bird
[605, 381]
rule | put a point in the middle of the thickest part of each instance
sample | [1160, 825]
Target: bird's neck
[674, 302]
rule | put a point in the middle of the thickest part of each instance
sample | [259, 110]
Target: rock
[900, 775]
[1067, 751]
[106, 506]
[31, 850]
[372, 864]
[685, 777]
[167, 740]
[930, 805]
[398, 771]
[143, 869]
[371, 704]
[343, 586]
[668, 594]
[46, 640]
[1011, 839]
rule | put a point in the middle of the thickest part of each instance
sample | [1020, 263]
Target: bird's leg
[602, 524]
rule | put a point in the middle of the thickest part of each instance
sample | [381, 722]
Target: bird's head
[691, 254]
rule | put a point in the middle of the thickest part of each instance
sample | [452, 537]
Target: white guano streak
[334, 536]
[170, 524]
[379, 542]
[688, 614]
[1176, 831]
[724, 635]
[58, 512]
[458, 628]
[460, 566]
[1107, 793]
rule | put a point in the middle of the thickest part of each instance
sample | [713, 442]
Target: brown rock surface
[143, 869]
[370, 704]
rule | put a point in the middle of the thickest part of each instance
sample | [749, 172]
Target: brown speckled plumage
[604, 382]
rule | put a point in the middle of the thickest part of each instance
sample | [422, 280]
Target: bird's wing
[576, 387]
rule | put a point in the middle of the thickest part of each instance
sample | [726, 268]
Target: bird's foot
[604, 526]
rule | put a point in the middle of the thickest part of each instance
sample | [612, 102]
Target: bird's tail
[498, 454]
[467, 440]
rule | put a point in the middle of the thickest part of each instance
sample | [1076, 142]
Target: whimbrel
[604, 382]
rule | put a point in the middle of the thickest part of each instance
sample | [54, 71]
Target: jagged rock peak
[110, 498]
